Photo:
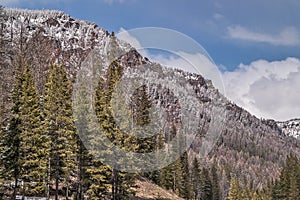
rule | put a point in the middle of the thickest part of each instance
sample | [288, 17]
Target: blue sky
[255, 40]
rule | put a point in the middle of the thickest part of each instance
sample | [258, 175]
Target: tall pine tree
[10, 154]
[215, 181]
[59, 125]
[34, 144]
[24, 144]
[205, 186]
[121, 183]
[195, 177]
[235, 192]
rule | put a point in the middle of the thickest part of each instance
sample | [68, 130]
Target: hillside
[149, 191]
[246, 148]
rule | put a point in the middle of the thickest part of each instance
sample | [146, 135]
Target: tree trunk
[23, 190]
[113, 184]
[79, 174]
[15, 188]
[56, 188]
[67, 192]
[48, 180]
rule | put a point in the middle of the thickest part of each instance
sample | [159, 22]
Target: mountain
[244, 147]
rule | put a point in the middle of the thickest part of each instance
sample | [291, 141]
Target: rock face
[290, 127]
[247, 146]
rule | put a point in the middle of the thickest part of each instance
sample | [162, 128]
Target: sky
[254, 43]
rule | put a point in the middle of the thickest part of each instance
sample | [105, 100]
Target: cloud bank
[287, 37]
[266, 89]
[11, 3]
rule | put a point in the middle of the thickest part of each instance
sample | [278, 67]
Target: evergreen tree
[24, 145]
[205, 186]
[34, 144]
[234, 190]
[10, 154]
[94, 177]
[177, 178]
[99, 182]
[195, 177]
[120, 182]
[247, 194]
[287, 187]
[293, 165]
[140, 105]
[277, 192]
[156, 176]
[84, 158]
[176, 175]
[186, 190]
[215, 181]
[59, 125]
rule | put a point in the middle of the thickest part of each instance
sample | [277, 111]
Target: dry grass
[148, 191]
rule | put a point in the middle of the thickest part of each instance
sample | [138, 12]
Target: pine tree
[10, 154]
[106, 122]
[120, 182]
[215, 181]
[156, 176]
[177, 182]
[34, 149]
[60, 127]
[294, 191]
[140, 106]
[176, 176]
[288, 185]
[205, 186]
[248, 195]
[24, 145]
[186, 190]
[234, 190]
[277, 191]
[140, 114]
[195, 177]
[99, 182]
[93, 176]
[84, 159]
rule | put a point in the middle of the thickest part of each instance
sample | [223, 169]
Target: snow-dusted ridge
[290, 127]
[72, 33]
[35, 13]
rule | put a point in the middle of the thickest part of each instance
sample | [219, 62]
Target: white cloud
[113, 1]
[218, 16]
[287, 37]
[266, 89]
[10, 3]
